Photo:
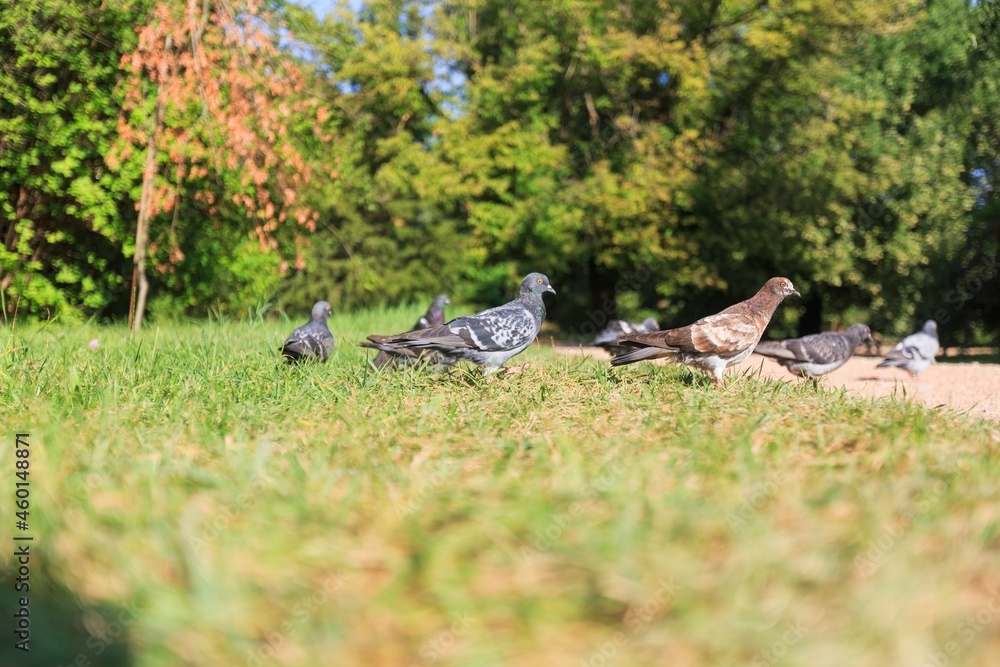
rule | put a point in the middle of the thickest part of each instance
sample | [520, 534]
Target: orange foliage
[227, 93]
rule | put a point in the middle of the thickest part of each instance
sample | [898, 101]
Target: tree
[652, 157]
[966, 302]
[210, 103]
[389, 231]
[716, 144]
[61, 214]
[573, 143]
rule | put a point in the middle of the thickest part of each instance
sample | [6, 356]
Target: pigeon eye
[539, 281]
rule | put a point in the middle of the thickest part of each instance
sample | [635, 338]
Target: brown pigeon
[716, 342]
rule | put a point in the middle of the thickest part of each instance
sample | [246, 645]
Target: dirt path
[971, 388]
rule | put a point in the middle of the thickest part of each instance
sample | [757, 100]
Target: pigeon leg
[516, 369]
[718, 382]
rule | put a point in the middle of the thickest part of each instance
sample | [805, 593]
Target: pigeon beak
[795, 292]
[549, 288]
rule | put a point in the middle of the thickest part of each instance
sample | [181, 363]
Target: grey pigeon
[816, 355]
[608, 339]
[487, 339]
[716, 342]
[915, 352]
[312, 340]
[434, 317]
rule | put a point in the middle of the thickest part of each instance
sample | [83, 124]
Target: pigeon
[434, 317]
[716, 342]
[608, 339]
[816, 355]
[915, 352]
[312, 340]
[487, 339]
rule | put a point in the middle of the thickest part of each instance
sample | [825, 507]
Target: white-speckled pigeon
[487, 339]
[312, 340]
[915, 352]
[716, 342]
[608, 339]
[434, 317]
[816, 355]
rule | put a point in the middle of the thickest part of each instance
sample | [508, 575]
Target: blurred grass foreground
[197, 502]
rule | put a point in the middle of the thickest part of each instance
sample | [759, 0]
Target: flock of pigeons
[714, 343]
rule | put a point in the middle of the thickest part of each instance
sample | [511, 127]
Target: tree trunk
[138, 306]
[812, 319]
[602, 294]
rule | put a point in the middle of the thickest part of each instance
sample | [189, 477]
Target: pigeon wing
[915, 346]
[612, 332]
[496, 330]
[926, 346]
[776, 349]
[723, 334]
[309, 340]
[825, 348]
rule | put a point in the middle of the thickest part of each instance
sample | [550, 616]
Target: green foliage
[720, 146]
[971, 303]
[386, 233]
[703, 146]
[224, 270]
[63, 217]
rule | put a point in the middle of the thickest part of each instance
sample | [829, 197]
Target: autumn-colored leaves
[211, 97]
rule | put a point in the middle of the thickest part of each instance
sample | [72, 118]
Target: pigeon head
[535, 283]
[860, 332]
[435, 314]
[320, 311]
[780, 287]
[930, 328]
[651, 324]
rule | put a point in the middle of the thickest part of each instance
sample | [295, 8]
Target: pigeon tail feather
[641, 354]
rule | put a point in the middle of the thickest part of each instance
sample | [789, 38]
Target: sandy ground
[970, 388]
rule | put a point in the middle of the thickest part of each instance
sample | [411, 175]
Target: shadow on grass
[62, 631]
[694, 379]
[681, 375]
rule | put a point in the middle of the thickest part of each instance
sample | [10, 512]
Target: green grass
[197, 502]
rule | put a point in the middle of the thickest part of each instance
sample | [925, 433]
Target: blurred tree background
[653, 158]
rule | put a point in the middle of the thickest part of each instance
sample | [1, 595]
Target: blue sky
[321, 7]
